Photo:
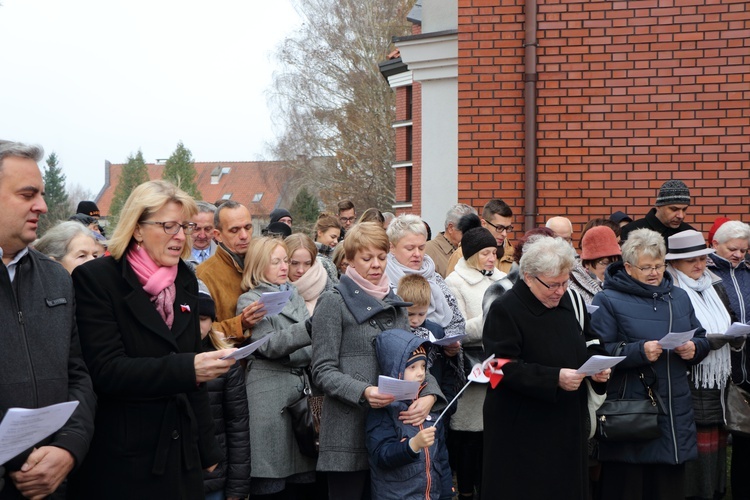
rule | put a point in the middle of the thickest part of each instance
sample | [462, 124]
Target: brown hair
[324, 223]
[372, 215]
[414, 288]
[364, 235]
[300, 240]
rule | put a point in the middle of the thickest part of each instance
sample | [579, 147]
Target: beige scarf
[311, 285]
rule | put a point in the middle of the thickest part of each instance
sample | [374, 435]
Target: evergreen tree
[180, 171]
[54, 194]
[134, 173]
[305, 210]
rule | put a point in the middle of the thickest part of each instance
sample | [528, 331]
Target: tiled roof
[243, 180]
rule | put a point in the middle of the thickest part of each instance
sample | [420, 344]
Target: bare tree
[334, 108]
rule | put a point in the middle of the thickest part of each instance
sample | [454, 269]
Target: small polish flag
[493, 369]
[185, 308]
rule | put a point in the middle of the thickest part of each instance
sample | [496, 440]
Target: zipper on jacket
[22, 326]
[669, 392]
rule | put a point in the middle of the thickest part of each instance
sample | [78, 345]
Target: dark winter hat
[84, 219]
[717, 224]
[420, 354]
[468, 221]
[278, 229]
[673, 192]
[475, 240]
[277, 214]
[206, 305]
[598, 242]
[88, 208]
[619, 216]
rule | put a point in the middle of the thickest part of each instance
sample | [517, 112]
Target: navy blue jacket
[736, 282]
[632, 313]
[396, 471]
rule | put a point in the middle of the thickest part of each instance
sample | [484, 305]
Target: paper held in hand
[22, 428]
[737, 330]
[676, 339]
[274, 302]
[246, 351]
[401, 390]
[447, 340]
[596, 364]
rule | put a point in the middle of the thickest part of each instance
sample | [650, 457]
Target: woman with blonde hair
[276, 374]
[344, 327]
[138, 324]
[306, 270]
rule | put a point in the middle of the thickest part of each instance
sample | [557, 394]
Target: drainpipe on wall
[529, 92]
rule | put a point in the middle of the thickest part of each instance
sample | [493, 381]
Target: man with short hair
[562, 227]
[347, 214]
[42, 362]
[667, 217]
[442, 246]
[204, 245]
[497, 217]
[222, 272]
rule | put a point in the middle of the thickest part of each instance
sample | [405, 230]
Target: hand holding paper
[596, 364]
[676, 339]
[401, 390]
[274, 302]
[246, 351]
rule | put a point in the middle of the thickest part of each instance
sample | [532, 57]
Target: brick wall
[630, 94]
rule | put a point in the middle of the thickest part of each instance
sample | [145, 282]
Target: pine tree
[180, 170]
[54, 194]
[134, 173]
[305, 210]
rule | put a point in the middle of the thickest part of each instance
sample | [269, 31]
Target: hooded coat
[630, 314]
[397, 473]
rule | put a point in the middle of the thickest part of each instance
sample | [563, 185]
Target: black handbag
[630, 419]
[738, 410]
[305, 415]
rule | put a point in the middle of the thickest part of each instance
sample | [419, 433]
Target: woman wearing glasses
[539, 409]
[137, 314]
[639, 306]
[599, 250]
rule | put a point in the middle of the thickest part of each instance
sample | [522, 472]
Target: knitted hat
[279, 213]
[619, 216]
[598, 242]
[88, 208]
[475, 240]
[206, 305]
[686, 244]
[717, 224]
[673, 192]
[420, 354]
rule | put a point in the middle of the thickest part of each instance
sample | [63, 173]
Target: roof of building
[259, 185]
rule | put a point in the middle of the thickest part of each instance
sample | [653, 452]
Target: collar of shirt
[14, 263]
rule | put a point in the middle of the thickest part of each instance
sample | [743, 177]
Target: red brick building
[625, 96]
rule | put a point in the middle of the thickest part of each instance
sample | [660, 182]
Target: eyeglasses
[173, 227]
[344, 220]
[650, 269]
[554, 286]
[606, 261]
[499, 228]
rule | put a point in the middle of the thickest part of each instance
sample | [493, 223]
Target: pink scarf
[311, 285]
[157, 281]
[378, 291]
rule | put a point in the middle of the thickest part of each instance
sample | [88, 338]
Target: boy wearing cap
[397, 450]
[667, 216]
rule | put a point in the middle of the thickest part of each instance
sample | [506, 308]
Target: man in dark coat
[42, 363]
[667, 216]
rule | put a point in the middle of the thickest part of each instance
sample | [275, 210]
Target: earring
[138, 245]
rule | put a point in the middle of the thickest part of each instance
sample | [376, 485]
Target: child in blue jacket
[407, 462]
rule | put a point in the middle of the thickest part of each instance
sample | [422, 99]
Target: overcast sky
[96, 80]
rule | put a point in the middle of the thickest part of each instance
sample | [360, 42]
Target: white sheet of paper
[676, 339]
[402, 390]
[737, 330]
[447, 340]
[591, 308]
[596, 364]
[274, 302]
[246, 351]
[22, 428]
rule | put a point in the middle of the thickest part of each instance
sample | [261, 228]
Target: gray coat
[345, 324]
[274, 379]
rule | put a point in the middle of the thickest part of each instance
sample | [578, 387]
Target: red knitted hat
[717, 224]
[598, 242]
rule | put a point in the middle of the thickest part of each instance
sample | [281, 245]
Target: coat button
[388, 323]
[369, 308]
[175, 434]
[356, 291]
[372, 322]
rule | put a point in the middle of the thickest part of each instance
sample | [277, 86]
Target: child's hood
[394, 348]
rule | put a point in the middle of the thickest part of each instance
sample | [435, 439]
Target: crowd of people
[141, 328]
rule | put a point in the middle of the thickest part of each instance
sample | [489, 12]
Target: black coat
[535, 433]
[229, 409]
[650, 221]
[153, 429]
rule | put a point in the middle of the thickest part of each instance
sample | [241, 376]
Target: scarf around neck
[157, 281]
[439, 311]
[715, 369]
[311, 285]
[378, 291]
